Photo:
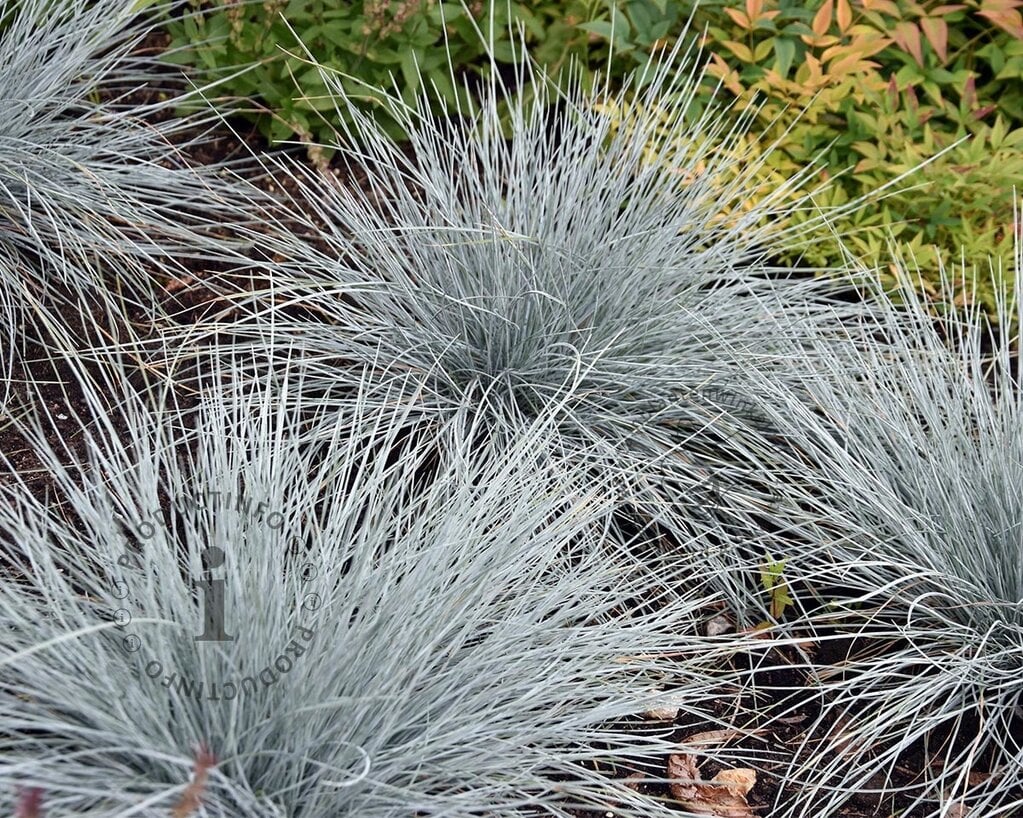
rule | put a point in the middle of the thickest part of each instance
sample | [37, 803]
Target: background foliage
[867, 88]
[876, 87]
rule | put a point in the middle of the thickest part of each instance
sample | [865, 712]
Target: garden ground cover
[781, 732]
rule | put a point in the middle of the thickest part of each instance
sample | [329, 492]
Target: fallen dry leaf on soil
[661, 713]
[709, 737]
[723, 796]
[719, 625]
[176, 284]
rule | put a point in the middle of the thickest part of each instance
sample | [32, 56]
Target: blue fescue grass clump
[88, 167]
[549, 269]
[467, 648]
[910, 478]
[99, 204]
[497, 430]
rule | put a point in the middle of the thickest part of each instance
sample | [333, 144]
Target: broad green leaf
[785, 53]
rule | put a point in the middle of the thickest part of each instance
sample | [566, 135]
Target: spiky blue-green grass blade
[524, 258]
[462, 646]
[907, 492]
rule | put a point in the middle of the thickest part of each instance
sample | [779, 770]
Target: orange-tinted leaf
[868, 46]
[1008, 20]
[836, 51]
[773, 81]
[739, 50]
[822, 19]
[740, 19]
[970, 92]
[729, 78]
[1000, 5]
[810, 74]
[753, 8]
[863, 46]
[907, 35]
[819, 41]
[851, 64]
[885, 6]
[843, 12]
[941, 11]
[936, 32]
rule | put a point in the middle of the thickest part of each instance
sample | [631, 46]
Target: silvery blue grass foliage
[96, 197]
[461, 647]
[9, 316]
[553, 271]
[909, 487]
[84, 173]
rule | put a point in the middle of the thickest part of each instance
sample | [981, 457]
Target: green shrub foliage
[869, 89]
